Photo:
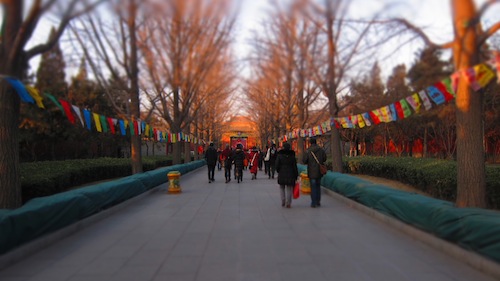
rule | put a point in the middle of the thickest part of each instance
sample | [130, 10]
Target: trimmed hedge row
[433, 176]
[46, 178]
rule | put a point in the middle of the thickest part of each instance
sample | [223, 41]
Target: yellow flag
[35, 94]
[97, 121]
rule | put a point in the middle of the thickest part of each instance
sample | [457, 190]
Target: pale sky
[434, 16]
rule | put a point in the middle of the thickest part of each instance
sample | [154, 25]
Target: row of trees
[310, 51]
[172, 61]
[168, 63]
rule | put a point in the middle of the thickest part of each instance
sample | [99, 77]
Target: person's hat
[211, 144]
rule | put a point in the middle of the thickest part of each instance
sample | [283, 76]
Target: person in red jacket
[254, 162]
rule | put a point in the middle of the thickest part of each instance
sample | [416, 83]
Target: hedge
[46, 178]
[435, 177]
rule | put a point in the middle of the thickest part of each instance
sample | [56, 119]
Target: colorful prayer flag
[35, 94]
[97, 121]
[425, 100]
[20, 90]
[414, 101]
[67, 110]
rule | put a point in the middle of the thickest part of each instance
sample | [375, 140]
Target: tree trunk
[134, 88]
[10, 171]
[187, 152]
[176, 153]
[471, 182]
[335, 150]
[300, 149]
[10, 179]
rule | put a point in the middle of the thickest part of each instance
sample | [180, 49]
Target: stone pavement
[234, 231]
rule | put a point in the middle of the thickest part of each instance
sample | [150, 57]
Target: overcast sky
[434, 16]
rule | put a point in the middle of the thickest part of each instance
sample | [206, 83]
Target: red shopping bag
[296, 191]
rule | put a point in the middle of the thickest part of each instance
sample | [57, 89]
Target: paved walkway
[238, 232]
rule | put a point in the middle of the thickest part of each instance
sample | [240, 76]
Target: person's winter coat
[313, 166]
[239, 157]
[254, 166]
[211, 156]
[286, 166]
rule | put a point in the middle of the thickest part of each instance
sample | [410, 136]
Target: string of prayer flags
[29, 94]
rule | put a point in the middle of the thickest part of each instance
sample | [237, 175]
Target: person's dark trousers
[227, 174]
[266, 167]
[211, 172]
[272, 169]
[315, 192]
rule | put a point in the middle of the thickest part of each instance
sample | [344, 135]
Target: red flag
[111, 125]
[374, 117]
[136, 128]
[337, 124]
[67, 110]
[442, 88]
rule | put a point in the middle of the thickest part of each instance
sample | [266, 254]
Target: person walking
[239, 157]
[273, 153]
[211, 158]
[227, 155]
[286, 166]
[254, 162]
[267, 156]
[314, 152]
[262, 155]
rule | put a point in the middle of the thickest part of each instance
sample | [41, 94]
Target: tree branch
[492, 30]
[421, 34]
[68, 16]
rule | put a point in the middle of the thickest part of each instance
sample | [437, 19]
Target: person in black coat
[286, 166]
[211, 157]
[239, 157]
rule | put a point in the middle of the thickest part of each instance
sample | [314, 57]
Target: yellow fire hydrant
[173, 182]
[305, 184]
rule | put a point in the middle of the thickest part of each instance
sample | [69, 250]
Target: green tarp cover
[473, 229]
[43, 215]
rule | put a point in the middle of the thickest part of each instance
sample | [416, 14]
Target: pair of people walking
[286, 166]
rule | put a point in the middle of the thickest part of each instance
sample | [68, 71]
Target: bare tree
[348, 43]
[188, 61]
[15, 53]
[111, 48]
[282, 90]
